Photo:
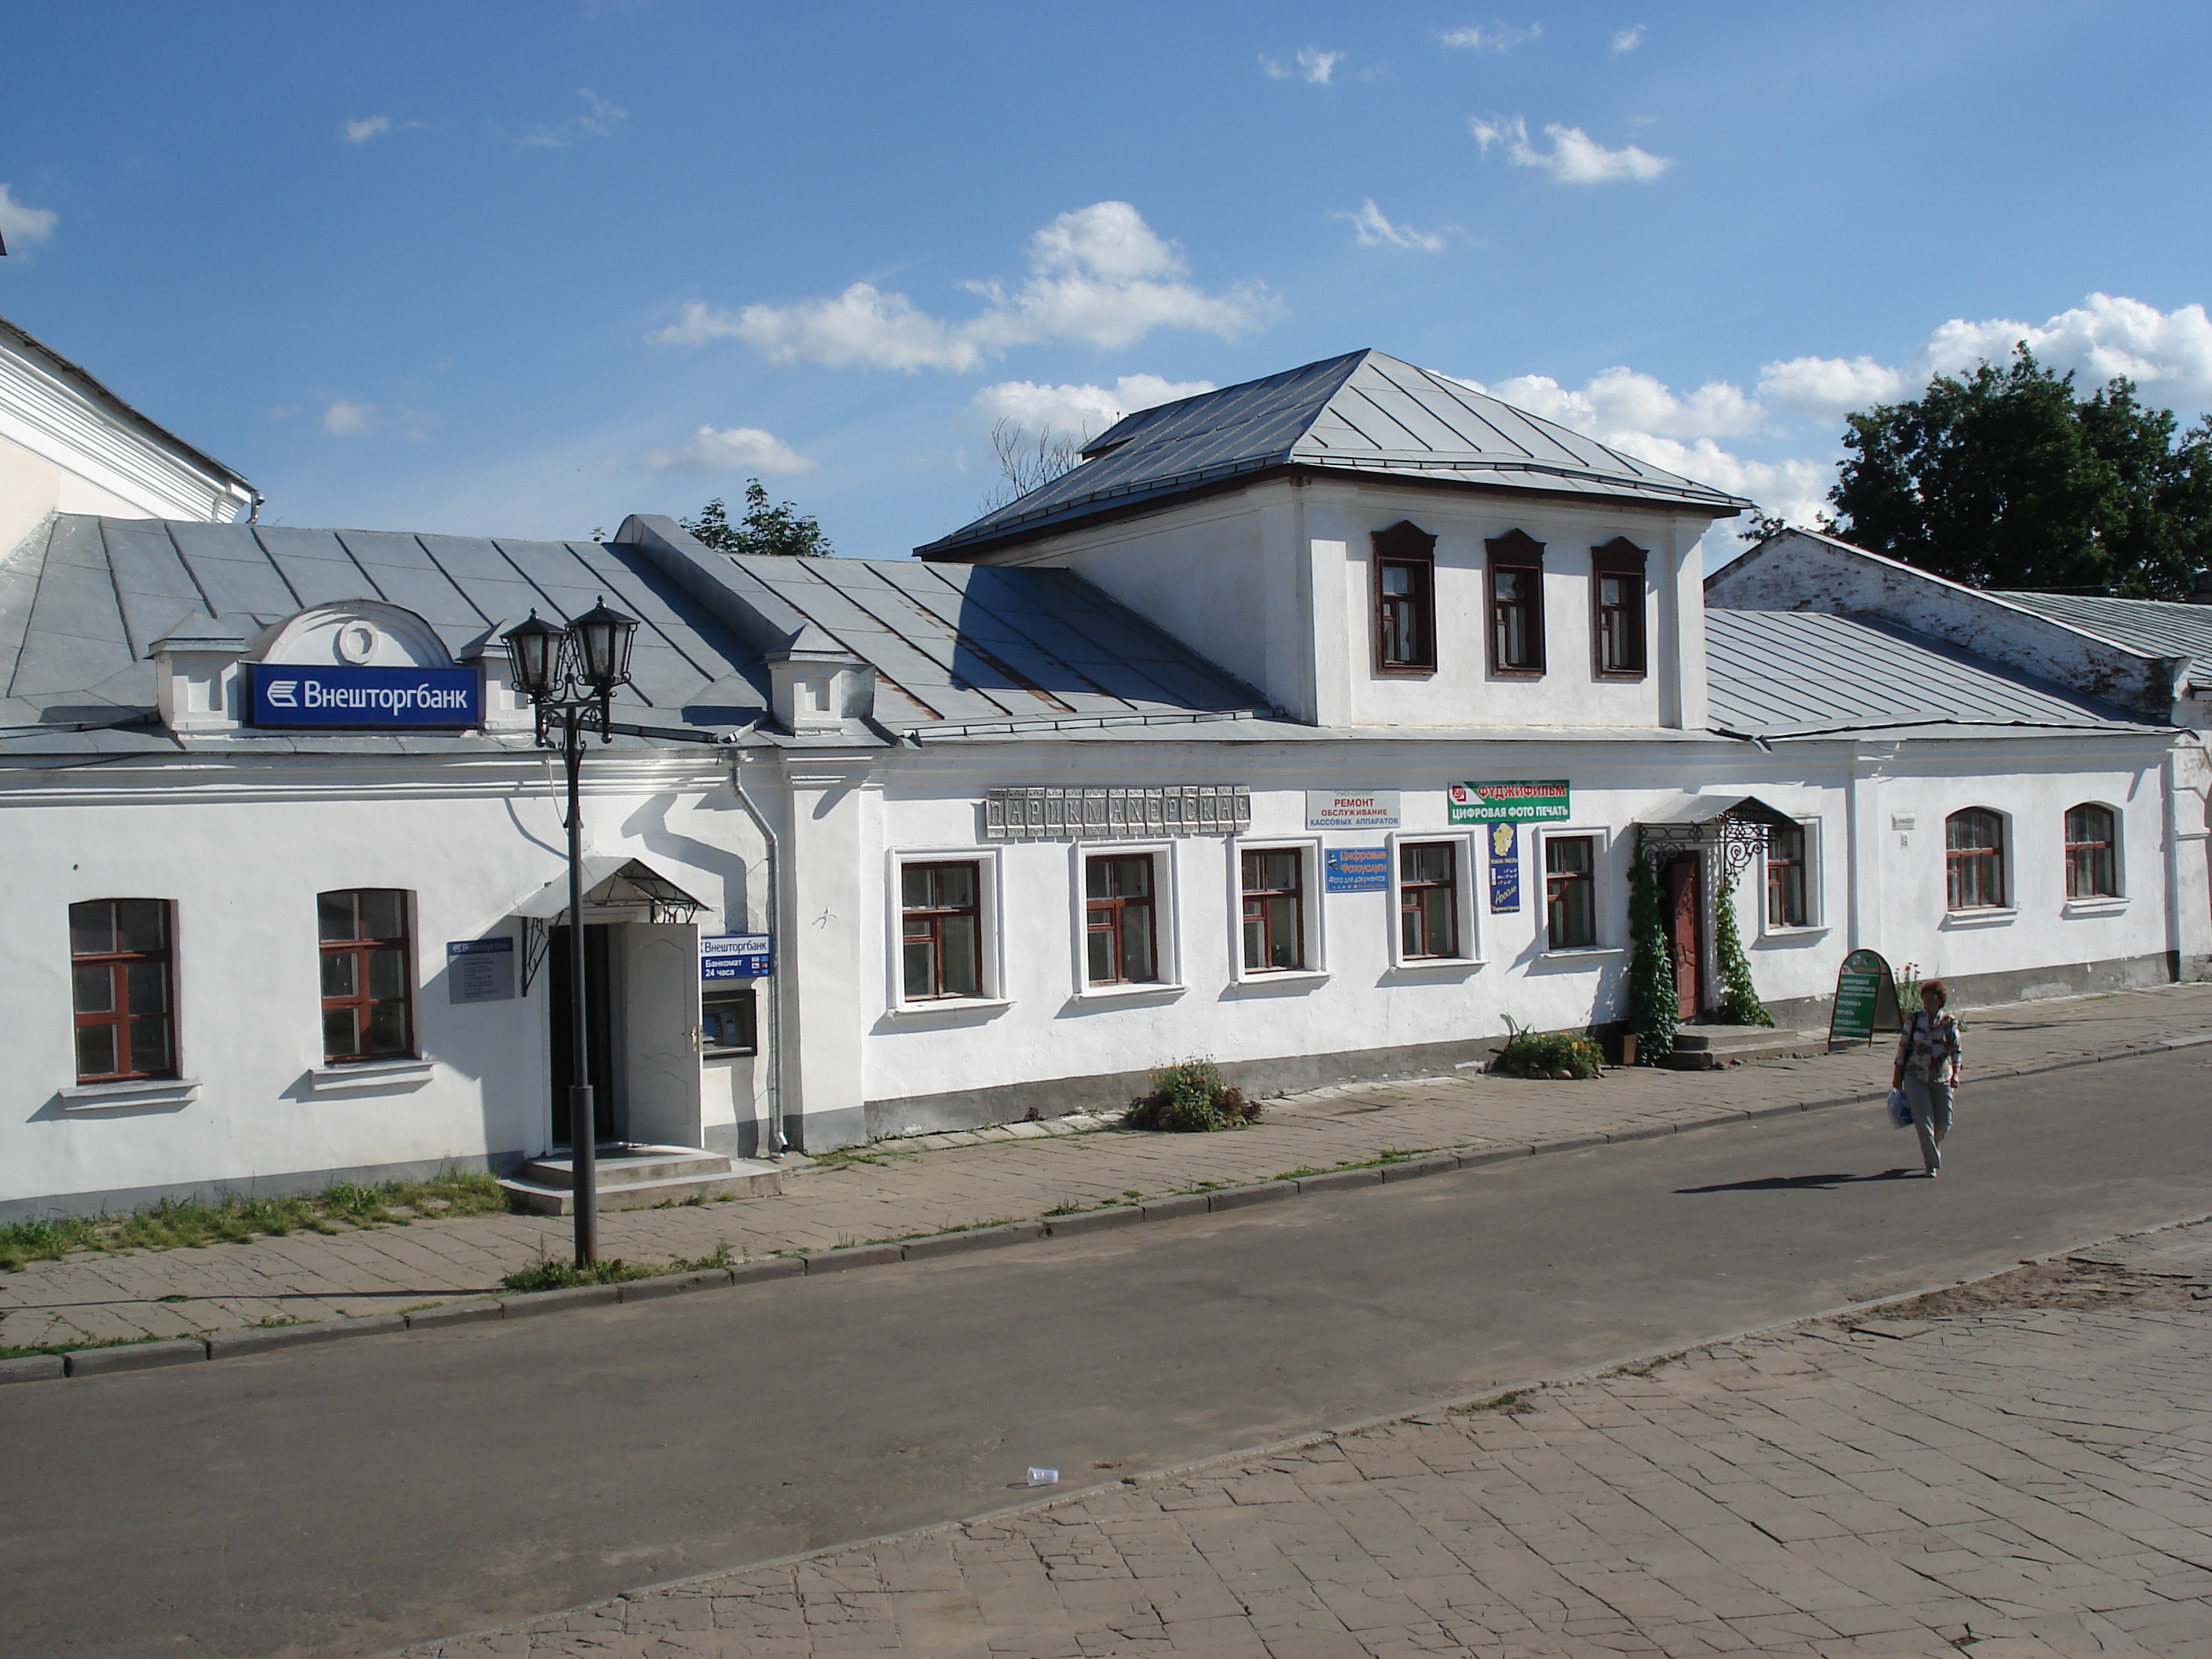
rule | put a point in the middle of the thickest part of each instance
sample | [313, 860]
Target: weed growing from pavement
[550, 1273]
[1514, 1403]
[37, 1348]
[176, 1224]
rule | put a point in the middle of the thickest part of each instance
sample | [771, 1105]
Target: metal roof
[1366, 412]
[1809, 673]
[2162, 628]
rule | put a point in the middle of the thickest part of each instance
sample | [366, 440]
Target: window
[1517, 603]
[120, 965]
[1973, 842]
[1119, 923]
[1617, 608]
[367, 975]
[1405, 600]
[2092, 869]
[1785, 879]
[728, 1022]
[1274, 910]
[941, 930]
[1571, 891]
[1428, 899]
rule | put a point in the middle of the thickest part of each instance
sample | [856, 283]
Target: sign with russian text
[480, 970]
[1508, 803]
[735, 956]
[1357, 869]
[334, 696]
[1351, 809]
[1865, 999]
[1505, 868]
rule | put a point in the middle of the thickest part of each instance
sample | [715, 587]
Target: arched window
[1973, 843]
[2091, 863]
[1404, 599]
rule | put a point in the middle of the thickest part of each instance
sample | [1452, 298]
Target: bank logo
[285, 694]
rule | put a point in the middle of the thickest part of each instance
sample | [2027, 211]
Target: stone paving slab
[1021, 1172]
[2039, 1480]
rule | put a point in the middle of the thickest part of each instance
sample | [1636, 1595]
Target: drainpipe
[777, 1145]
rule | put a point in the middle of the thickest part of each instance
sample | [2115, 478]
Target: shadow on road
[1822, 1183]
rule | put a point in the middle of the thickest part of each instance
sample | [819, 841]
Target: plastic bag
[1901, 1111]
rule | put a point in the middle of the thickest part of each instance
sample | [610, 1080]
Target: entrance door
[660, 1032]
[1684, 885]
[598, 1032]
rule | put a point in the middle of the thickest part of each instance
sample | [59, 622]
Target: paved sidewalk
[902, 1190]
[2029, 1481]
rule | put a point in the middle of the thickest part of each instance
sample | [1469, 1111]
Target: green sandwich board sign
[1865, 999]
[1524, 802]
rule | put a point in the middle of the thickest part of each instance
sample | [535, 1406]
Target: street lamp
[569, 675]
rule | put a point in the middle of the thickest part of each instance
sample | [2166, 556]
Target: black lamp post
[569, 674]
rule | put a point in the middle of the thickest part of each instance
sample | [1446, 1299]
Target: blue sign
[735, 956]
[1505, 868]
[480, 969]
[1358, 869]
[328, 694]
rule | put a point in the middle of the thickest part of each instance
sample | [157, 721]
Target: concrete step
[1707, 1048]
[639, 1177]
[623, 1165]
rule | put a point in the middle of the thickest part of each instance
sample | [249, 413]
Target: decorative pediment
[355, 634]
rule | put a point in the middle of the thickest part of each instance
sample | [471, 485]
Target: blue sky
[525, 269]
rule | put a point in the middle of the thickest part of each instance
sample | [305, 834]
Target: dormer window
[1405, 600]
[1617, 609]
[1516, 604]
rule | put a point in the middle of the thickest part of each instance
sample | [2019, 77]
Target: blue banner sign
[1358, 869]
[1505, 868]
[330, 694]
[480, 969]
[735, 956]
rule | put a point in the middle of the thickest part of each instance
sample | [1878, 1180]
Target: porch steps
[639, 1177]
[1708, 1047]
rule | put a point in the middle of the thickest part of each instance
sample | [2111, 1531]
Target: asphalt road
[348, 1499]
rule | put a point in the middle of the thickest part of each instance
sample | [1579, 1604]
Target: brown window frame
[1959, 861]
[1514, 550]
[116, 1017]
[1777, 883]
[1619, 558]
[1296, 892]
[2081, 848]
[1405, 546]
[1410, 912]
[363, 999]
[931, 919]
[1558, 884]
[1111, 914]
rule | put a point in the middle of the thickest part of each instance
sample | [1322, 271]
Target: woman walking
[1927, 1069]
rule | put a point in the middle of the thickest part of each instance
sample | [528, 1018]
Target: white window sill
[1809, 930]
[1436, 965]
[949, 1005]
[1579, 952]
[1130, 991]
[138, 1091]
[1994, 916]
[370, 1074]
[1266, 976]
[2112, 904]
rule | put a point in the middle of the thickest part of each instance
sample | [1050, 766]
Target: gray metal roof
[1365, 412]
[2161, 627]
[1807, 673]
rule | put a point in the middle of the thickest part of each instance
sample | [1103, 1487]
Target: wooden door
[1684, 882]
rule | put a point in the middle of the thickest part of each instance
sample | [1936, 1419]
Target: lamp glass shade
[534, 649]
[602, 641]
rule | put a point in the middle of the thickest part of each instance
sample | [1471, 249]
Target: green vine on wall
[1739, 1003]
[1654, 1013]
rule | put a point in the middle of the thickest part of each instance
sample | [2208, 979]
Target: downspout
[777, 1145]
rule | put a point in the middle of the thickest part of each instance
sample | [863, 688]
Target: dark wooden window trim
[109, 973]
[1560, 886]
[362, 950]
[1516, 550]
[1112, 914]
[1296, 892]
[1778, 886]
[924, 924]
[2093, 852]
[1412, 911]
[1405, 546]
[1619, 558]
[1986, 864]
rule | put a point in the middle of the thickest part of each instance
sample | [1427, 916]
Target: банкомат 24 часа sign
[304, 694]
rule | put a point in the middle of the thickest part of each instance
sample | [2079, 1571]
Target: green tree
[1739, 1003]
[784, 531]
[2005, 478]
[1654, 1011]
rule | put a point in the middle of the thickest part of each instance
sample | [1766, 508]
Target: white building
[1312, 725]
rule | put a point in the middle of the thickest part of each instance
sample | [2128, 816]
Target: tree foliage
[1739, 1003]
[784, 529]
[2005, 478]
[1654, 1011]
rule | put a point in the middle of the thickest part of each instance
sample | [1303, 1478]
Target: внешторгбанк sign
[323, 695]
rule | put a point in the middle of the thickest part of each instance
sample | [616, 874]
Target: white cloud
[1829, 386]
[1373, 230]
[368, 127]
[2168, 352]
[1310, 64]
[1628, 39]
[1086, 411]
[599, 120]
[344, 419]
[21, 225]
[1497, 37]
[730, 449]
[1099, 276]
[1622, 399]
[1575, 157]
